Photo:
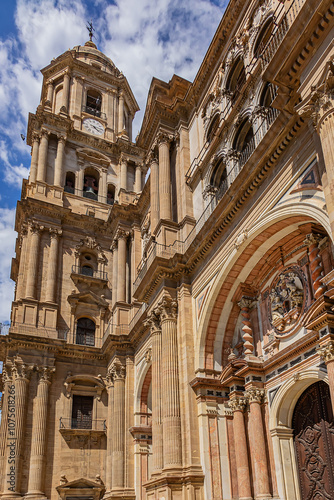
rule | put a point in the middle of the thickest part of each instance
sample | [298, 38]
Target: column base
[35, 495]
[9, 495]
[122, 493]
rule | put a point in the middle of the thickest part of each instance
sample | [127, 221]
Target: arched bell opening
[111, 194]
[93, 102]
[69, 182]
[91, 184]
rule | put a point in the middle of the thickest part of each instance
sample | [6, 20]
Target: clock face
[93, 126]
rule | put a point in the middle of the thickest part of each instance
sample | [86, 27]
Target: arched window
[212, 128]
[91, 184]
[267, 95]
[85, 332]
[88, 264]
[244, 137]
[263, 37]
[93, 102]
[69, 182]
[236, 78]
[219, 179]
[111, 194]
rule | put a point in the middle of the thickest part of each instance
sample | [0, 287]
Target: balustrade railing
[90, 272]
[94, 112]
[85, 423]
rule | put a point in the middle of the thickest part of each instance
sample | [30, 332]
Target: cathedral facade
[172, 330]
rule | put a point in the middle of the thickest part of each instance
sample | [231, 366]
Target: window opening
[91, 186]
[82, 411]
[263, 37]
[93, 103]
[85, 332]
[69, 182]
[236, 79]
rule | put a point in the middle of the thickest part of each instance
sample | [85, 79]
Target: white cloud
[7, 238]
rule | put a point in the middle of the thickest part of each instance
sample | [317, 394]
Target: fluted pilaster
[171, 416]
[122, 237]
[154, 190]
[23, 253]
[124, 174]
[118, 437]
[6, 381]
[49, 94]
[66, 92]
[52, 265]
[110, 424]
[114, 248]
[38, 434]
[157, 428]
[164, 177]
[34, 158]
[32, 270]
[120, 113]
[17, 402]
[137, 186]
[58, 179]
[43, 156]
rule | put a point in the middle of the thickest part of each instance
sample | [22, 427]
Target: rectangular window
[82, 411]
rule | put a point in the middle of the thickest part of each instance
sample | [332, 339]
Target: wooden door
[314, 442]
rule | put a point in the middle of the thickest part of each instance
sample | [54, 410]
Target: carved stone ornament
[287, 299]
[153, 320]
[168, 308]
[91, 244]
[240, 239]
[255, 395]
[327, 352]
[238, 404]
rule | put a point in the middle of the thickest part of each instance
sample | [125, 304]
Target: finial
[90, 30]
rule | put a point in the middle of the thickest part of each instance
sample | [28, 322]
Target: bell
[90, 190]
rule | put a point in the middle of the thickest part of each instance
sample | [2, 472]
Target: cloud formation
[7, 238]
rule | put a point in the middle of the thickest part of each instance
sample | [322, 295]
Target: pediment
[88, 297]
[93, 157]
[81, 487]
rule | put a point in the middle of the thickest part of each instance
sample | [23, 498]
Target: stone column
[121, 272]
[237, 405]
[6, 383]
[120, 113]
[164, 178]
[34, 158]
[137, 185]
[157, 430]
[154, 190]
[326, 352]
[79, 181]
[49, 95]
[43, 156]
[171, 415]
[258, 444]
[17, 402]
[124, 174]
[118, 433]
[23, 247]
[312, 242]
[52, 265]
[58, 178]
[110, 427]
[103, 186]
[114, 248]
[38, 433]
[245, 304]
[32, 270]
[66, 92]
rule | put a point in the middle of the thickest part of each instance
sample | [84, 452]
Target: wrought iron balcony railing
[85, 423]
[94, 112]
[89, 272]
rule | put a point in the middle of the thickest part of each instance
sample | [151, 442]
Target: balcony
[86, 426]
[88, 274]
[95, 112]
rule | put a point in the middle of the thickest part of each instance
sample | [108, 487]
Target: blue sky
[142, 37]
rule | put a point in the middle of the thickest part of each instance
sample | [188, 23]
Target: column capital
[35, 227]
[20, 371]
[55, 232]
[312, 239]
[114, 245]
[164, 138]
[109, 380]
[151, 157]
[45, 133]
[153, 321]
[246, 302]
[36, 137]
[6, 375]
[45, 373]
[238, 403]
[122, 234]
[255, 395]
[168, 308]
[117, 370]
[62, 138]
[326, 352]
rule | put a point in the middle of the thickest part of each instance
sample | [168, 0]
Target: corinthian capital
[117, 370]
[326, 352]
[312, 239]
[255, 395]
[153, 320]
[237, 404]
[21, 371]
[45, 373]
[168, 308]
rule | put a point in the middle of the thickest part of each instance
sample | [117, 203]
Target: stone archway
[312, 425]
